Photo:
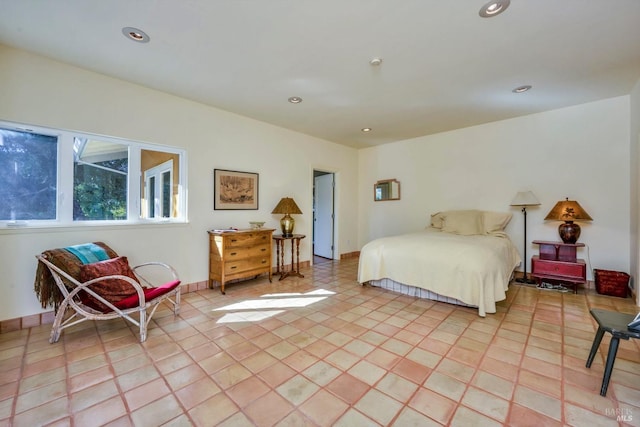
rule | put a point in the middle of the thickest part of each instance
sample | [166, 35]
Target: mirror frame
[387, 182]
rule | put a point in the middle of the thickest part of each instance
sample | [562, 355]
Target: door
[323, 216]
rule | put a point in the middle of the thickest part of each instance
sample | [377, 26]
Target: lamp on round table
[287, 206]
[568, 211]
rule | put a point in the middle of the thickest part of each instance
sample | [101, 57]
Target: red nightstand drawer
[560, 269]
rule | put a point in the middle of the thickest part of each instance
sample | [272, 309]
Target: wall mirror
[387, 189]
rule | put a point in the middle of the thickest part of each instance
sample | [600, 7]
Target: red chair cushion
[149, 294]
[113, 290]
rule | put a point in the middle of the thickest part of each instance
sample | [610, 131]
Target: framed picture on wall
[233, 190]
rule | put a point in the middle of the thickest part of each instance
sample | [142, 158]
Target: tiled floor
[323, 351]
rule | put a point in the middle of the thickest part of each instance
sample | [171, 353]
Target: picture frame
[235, 190]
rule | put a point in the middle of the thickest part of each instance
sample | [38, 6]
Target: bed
[462, 257]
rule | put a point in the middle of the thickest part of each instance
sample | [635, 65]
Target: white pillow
[465, 223]
[496, 221]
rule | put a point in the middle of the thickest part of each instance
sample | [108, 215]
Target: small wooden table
[558, 262]
[295, 249]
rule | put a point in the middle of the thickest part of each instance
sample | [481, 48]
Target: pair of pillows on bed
[471, 222]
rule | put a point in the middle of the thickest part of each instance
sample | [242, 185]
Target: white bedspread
[473, 269]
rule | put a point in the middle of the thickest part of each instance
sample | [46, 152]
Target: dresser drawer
[243, 265]
[247, 239]
[235, 253]
[569, 270]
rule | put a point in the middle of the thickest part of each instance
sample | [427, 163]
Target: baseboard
[350, 255]
[47, 317]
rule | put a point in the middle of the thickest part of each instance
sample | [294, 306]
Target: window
[100, 176]
[159, 190]
[56, 177]
[28, 176]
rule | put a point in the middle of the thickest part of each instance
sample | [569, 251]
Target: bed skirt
[414, 291]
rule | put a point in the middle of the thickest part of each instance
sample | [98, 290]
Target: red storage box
[613, 283]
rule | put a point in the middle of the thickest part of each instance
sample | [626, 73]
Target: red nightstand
[558, 262]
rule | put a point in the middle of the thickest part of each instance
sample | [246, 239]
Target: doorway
[323, 215]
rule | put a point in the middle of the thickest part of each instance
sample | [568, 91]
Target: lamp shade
[568, 211]
[286, 206]
[525, 198]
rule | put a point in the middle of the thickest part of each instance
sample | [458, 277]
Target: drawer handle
[264, 261]
[233, 253]
[233, 267]
[263, 249]
[234, 240]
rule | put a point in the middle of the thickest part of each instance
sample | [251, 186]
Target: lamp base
[569, 232]
[286, 225]
[526, 281]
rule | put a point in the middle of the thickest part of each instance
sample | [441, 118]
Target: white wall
[580, 152]
[39, 91]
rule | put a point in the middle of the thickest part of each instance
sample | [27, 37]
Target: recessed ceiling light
[366, 129]
[493, 8]
[135, 34]
[375, 62]
[295, 100]
[521, 89]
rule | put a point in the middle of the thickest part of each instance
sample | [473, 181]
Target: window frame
[65, 180]
[157, 174]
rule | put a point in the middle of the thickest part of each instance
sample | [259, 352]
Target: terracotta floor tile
[434, 405]
[90, 378]
[92, 395]
[324, 408]
[213, 410]
[300, 360]
[231, 375]
[486, 404]
[137, 378]
[526, 417]
[102, 413]
[367, 372]
[348, 388]
[494, 384]
[415, 372]
[410, 417]
[539, 402]
[377, 406]
[268, 409]
[397, 387]
[297, 389]
[197, 392]
[534, 381]
[38, 396]
[331, 362]
[445, 385]
[146, 393]
[456, 370]
[247, 391]
[39, 380]
[342, 359]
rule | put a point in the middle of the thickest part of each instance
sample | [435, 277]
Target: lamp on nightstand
[568, 211]
[287, 206]
[524, 199]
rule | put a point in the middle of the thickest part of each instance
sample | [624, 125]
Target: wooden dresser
[239, 255]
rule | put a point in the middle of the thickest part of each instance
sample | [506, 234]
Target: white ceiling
[443, 68]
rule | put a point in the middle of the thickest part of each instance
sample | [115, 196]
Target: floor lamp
[524, 199]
